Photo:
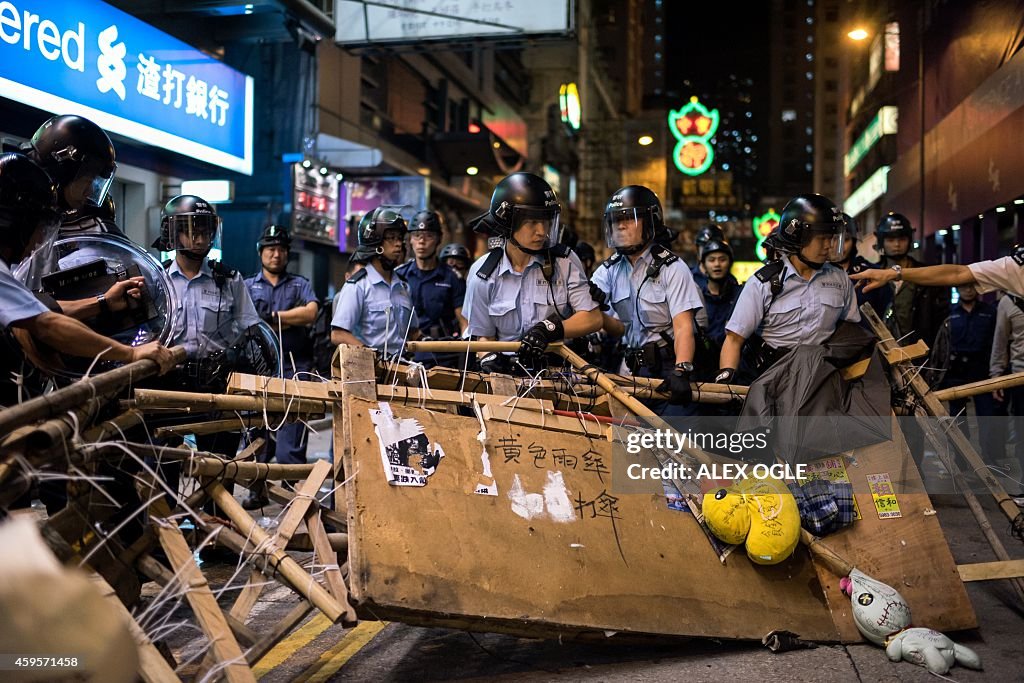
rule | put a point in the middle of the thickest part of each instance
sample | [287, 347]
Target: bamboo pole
[56, 402]
[937, 439]
[288, 568]
[191, 401]
[210, 426]
[229, 469]
[981, 387]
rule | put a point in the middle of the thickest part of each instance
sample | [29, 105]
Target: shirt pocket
[505, 316]
[217, 321]
[785, 312]
[652, 301]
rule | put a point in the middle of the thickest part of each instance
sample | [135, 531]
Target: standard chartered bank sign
[89, 58]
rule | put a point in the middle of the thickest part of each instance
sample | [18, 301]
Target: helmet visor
[90, 185]
[541, 227]
[624, 228]
[194, 232]
[38, 257]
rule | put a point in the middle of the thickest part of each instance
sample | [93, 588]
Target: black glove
[678, 387]
[536, 341]
[269, 317]
[496, 362]
[599, 297]
[725, 376]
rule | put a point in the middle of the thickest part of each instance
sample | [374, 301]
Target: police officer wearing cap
[374, 307]
[852, 262]
[720, 288]
[29, 217]
[437, 292]
[533, 289]
[652, 293]
[916, 311]
[800, 298]
[456, 257]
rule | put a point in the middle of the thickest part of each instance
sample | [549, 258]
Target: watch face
[550, 325]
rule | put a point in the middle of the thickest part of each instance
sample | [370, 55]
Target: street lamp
[644, 140]
[857, 34]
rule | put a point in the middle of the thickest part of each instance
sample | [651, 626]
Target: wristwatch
[685, 366]
[898, 269]
[104, 306]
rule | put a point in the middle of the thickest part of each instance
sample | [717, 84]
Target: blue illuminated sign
[92, 59]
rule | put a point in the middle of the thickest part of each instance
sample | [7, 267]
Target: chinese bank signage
[91, 59]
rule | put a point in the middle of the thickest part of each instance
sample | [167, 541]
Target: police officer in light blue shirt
[437, 292]
[800, 298]
[651, 291]
[532, 289]
[214, 307]
[374, 307]
[29, 218]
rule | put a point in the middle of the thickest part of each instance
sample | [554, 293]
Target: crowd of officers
[642, 310]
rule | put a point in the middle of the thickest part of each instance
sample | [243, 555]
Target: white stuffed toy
[883, 617]
[930, 649]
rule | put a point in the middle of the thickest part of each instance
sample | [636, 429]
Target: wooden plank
[222, 641]
[327, 557]
[355, 370]
[288, 569]
[492, 568]
[153, 668]
[554, 423]
[903, 354]
[909, 552]
[989, 571]
[289, 524]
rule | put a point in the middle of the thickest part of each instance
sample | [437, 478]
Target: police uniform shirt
[971, 332]
[436, 294]
[378, 314]
[1006, 274]
[507, 303]
[804, 312]
[291, 291]
[210, 318]
[16, 301]
[657, 300]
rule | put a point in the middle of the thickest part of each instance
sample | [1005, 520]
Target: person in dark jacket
[720, 287]
[972, 327]
[916, 311]
[852, 262]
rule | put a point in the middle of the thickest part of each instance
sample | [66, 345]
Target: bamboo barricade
[715, 392]
[934, 408]
[57, 402]
[980, 387]
[190, 401]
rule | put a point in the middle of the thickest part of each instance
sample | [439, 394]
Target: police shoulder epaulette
[221, 273]
[404, 268]
[612, 260]
[1018, 255]
[401, 276]
[167, 263]
[660, 257]
[359, 275]
[490, 263]
[769, 271]
[560, 251]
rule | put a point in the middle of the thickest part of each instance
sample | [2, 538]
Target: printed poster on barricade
[406, 453]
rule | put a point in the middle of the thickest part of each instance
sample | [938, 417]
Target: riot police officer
[720, 287]
[852, 262]
[652, 293]
[374, 307]
[437, 292]
[532, 289]
[79, 157]
[287, 303]
[916, 311]
[456, 257]
[800, 298]
[29, 217]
